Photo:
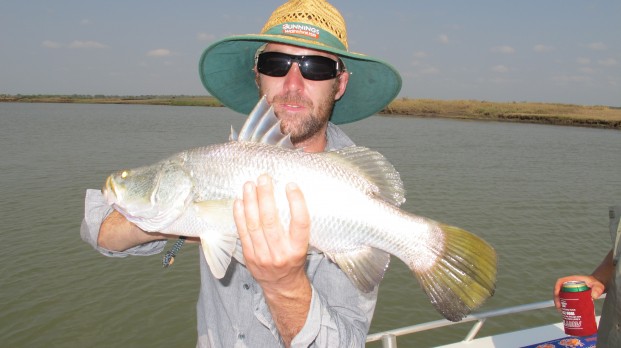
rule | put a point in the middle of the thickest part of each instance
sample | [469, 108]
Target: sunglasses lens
[273, 64]
[316, 68]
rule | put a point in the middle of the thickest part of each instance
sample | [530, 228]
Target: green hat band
[306, 32]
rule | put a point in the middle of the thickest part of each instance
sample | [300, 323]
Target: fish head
[152, 197]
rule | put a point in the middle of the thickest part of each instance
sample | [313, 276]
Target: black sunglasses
[315, 68]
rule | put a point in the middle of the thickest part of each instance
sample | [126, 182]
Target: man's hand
[597, 281]
[597, 288]
[276, 256]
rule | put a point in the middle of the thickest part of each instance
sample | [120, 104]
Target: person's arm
[274, 256]
[597, 281]
[95, 222]
[118, 234]
[340, 314]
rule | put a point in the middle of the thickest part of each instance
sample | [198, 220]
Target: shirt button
[246, 286]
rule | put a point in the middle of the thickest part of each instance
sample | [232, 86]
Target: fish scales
[220, 172]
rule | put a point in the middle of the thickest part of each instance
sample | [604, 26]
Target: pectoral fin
[238, 254]
[220, 240]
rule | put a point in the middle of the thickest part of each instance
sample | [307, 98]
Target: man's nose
[294, 79]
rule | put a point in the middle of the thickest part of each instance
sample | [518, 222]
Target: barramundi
[353, 197]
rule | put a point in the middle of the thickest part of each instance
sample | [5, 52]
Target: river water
[539, 194]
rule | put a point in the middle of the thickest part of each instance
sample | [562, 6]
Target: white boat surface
[520, 338]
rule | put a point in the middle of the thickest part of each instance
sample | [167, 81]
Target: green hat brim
[226, 71]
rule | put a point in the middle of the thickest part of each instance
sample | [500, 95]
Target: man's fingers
[249, 219]
[267, 204]
[262, 235]
[299, 228]
[239, 216]
[597, 290]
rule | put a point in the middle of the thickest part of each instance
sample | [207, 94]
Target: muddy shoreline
[523, 112]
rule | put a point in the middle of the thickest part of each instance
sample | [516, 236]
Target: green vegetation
[548, 113]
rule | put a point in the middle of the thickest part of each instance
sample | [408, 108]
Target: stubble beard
[303, 127]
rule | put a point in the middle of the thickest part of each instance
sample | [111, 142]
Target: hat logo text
[299, 29]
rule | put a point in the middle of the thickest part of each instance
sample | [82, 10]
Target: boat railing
[389, 338]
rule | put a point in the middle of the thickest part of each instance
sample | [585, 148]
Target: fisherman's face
[303, 106]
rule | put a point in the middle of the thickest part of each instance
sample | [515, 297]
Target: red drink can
[577, 309]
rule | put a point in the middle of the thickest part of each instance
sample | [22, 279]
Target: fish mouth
[109, 191]
[110, 195]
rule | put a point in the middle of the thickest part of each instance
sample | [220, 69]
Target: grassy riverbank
[547, 113]
[146, 100]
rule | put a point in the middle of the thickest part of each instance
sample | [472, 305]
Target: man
[285, 294]
[606, 278]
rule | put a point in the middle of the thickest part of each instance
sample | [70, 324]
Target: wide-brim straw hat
[226, 67]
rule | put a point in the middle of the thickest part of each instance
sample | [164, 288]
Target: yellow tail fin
[463, 276]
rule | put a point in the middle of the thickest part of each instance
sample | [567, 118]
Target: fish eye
[124, 174]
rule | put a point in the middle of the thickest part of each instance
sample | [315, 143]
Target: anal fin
[365, 266]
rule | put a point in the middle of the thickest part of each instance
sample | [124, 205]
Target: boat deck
[521, 338]
[542, 336]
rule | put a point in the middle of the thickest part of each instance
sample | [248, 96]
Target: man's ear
[256, 77]
[343, 78]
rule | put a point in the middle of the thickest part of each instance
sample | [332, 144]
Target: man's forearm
[118, 234]
[289, 309]
[604, 271]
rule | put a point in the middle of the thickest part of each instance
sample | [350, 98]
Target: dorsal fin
[262, 126]
[375, 168]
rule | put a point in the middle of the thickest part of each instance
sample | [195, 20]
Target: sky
[553, 51]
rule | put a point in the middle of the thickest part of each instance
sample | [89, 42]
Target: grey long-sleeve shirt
[232, 311]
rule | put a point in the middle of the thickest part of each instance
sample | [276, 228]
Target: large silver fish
[352, 196]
